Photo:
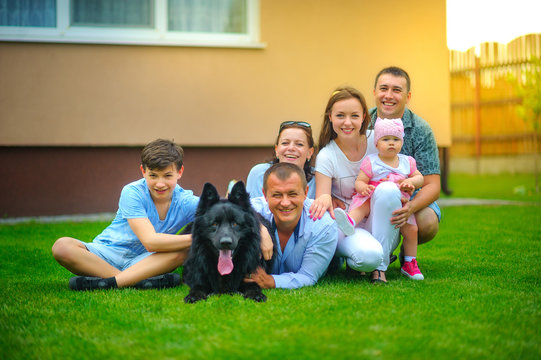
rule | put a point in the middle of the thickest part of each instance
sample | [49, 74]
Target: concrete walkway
[443, 202]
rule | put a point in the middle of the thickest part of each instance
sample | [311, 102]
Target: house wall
[41, 181]
[104, 97]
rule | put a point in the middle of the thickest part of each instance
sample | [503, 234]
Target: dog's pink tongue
[225, 264]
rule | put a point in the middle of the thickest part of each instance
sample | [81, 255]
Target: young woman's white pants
[369, 248]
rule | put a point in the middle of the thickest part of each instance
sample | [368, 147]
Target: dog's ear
[239, 195]
[209, 197]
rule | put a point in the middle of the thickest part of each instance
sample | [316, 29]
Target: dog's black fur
[221, 224]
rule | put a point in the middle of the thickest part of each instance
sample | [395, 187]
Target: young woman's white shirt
[332, 162]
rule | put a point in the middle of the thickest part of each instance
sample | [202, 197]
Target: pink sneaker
[411, 270]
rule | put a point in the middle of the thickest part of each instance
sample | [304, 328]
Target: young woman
[343, 145]
[295, 145]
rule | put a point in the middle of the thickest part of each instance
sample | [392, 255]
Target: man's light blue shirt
[308, 251]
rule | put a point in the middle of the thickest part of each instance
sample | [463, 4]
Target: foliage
[529, 90]
[480, 300]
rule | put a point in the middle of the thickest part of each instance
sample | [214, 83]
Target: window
[223, 23]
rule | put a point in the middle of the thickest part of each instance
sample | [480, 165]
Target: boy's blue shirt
[136, 202]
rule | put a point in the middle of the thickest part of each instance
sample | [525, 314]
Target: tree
[528, 88]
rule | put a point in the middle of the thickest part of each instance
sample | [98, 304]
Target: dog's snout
[226, 241]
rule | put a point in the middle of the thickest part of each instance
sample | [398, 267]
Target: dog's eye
[234, 224]
[214, 225]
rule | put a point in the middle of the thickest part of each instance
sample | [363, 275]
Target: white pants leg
[384, 200]
[361, 250]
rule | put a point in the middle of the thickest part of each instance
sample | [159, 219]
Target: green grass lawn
[519, 187]
[480, 299]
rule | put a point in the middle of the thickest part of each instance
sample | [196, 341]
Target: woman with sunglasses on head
[295, 145]
[344, 144]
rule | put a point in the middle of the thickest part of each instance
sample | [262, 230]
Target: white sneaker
[344, 222]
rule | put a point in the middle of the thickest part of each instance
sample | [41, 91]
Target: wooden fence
[484, 119]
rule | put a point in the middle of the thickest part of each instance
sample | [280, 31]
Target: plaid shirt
[419, 142]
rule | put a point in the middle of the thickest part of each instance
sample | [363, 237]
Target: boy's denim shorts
[119, 257]
[434, 206]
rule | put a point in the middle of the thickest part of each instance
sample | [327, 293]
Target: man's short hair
[283, 171]
[161, 153]
[395, 71]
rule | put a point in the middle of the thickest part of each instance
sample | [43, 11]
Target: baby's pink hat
[385, 127]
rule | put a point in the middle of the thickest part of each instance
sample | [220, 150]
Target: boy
[140, 244]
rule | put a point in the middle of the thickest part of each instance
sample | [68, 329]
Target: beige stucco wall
[74, 94]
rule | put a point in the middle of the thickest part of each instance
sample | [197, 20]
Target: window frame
[159, 35]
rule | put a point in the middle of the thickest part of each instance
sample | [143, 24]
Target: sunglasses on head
[299, 123]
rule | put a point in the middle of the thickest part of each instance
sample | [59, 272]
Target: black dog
[225, 246]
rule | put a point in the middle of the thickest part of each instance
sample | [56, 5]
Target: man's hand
[260, 276]
[401, 216]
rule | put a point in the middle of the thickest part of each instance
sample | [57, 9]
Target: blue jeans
[434, 206]
[117, 256]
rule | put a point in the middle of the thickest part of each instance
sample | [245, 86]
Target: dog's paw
[257, 296]
[195, 296]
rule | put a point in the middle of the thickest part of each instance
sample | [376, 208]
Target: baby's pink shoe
[411, 270]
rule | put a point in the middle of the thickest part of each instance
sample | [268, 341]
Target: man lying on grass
[306, 246]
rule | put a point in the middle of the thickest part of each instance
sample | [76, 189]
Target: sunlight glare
[472, 22]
